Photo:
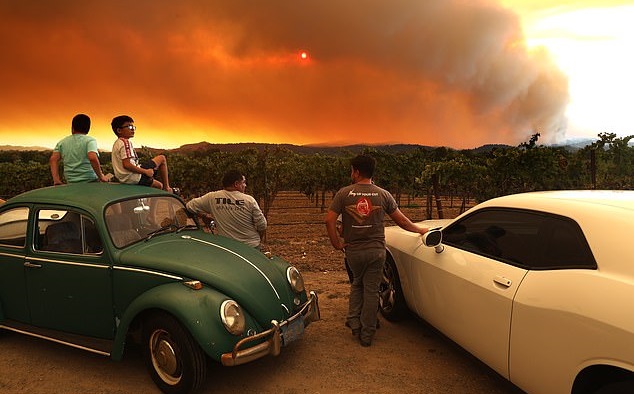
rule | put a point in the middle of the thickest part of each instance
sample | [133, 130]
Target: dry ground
[408, 357]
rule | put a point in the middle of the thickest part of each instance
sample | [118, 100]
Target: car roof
[570, 199]
[92, 197]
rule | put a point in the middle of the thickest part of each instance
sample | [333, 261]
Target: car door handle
[503, 281]
[32, 265]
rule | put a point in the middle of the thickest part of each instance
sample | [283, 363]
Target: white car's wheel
[626, 386]
[175, 361]
[391, 301]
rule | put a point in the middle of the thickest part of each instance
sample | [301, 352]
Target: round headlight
[232, 317]
[295, 279]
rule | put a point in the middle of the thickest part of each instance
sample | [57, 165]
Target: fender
[197, 310]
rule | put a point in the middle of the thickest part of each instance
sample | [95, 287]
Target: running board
[90, 344]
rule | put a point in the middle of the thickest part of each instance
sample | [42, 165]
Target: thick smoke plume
[435, 72]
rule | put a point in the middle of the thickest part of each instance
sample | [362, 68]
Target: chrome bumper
[274, 340]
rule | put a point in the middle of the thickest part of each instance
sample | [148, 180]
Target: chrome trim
[28, 258]
[13, 246]
[56, 340]
[243, 258]
[38, 250]
[272, 345]
[145, 271]
[12, 255]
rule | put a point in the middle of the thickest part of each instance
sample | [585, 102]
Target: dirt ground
[405, 357]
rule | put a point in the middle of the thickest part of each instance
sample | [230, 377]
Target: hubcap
[164, 357]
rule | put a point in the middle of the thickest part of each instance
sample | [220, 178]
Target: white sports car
[536, 285]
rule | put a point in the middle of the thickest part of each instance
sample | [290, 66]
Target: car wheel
[391, 300]
[626, 386]
[175, 361]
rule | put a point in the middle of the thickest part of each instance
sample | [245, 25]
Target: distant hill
[23, 148]
[201, 147]
[302, 149]
[574, 144]
[236, 147]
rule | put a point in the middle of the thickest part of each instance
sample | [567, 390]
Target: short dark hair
[231, 177]
[118, 121]
[365, 164]
[81, 123]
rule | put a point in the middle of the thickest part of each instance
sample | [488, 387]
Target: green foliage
[613, 162]
[12, 156]
[480, 175]
[19, 176]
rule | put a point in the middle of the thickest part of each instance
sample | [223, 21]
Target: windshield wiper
[160, 230]
[187, 226]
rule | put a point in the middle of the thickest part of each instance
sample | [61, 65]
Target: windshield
[139, 218]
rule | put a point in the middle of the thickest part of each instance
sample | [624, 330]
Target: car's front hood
[239, 271]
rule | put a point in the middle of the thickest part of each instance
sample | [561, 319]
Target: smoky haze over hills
[309, 149]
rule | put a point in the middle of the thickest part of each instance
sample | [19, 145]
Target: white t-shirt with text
[237, 215]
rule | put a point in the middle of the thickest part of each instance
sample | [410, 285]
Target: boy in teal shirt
[79, 154]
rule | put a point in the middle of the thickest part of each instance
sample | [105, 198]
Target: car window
[66, 232]
[13, 224]
[529, 239]
[91, 235]
[133, 220]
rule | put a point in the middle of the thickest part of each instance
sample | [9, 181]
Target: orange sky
[435, 72]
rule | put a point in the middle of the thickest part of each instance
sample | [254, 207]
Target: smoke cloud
[434, 72]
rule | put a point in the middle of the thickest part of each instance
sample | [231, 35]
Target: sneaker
[365, 343]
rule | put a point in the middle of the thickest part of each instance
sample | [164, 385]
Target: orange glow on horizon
[453, 73]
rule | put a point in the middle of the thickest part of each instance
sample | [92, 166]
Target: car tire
[391, 301]
[175, 361]
[626, 386]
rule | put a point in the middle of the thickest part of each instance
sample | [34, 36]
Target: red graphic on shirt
[129, 151]
[364, 206]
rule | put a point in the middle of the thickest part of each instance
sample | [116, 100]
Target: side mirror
[433, 239]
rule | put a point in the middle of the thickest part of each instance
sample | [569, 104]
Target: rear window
[529, 239]
[13, 224]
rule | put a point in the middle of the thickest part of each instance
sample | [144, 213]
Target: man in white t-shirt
[237, 215]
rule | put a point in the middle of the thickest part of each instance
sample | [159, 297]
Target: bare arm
[94, 162]
[197, 206]
[331, 227]
[127, 164]
[54, 164]
[403, 222]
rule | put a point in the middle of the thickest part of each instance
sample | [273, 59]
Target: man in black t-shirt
[362, 207]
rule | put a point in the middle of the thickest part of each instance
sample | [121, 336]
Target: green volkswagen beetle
[93, 265]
